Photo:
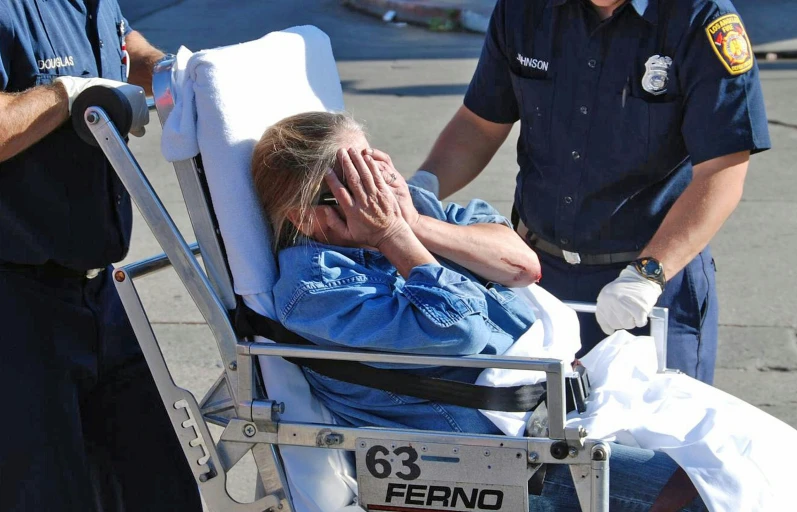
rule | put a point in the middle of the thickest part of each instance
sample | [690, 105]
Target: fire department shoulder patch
[731, 44]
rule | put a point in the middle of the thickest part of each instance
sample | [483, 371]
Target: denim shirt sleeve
[476, 212]
[435, 311]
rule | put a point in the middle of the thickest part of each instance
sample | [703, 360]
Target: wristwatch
[651, 268]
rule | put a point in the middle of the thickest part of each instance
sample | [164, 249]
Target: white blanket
[738, 456]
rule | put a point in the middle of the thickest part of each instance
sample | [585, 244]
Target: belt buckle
[571, 257]
[94, 272]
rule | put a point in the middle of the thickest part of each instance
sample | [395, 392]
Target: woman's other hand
[371, 213]
[397, 184]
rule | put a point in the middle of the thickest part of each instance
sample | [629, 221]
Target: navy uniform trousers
[690, 296]
[83, 426]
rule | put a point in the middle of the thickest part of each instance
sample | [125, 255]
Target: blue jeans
[636, 477]
[690, 296]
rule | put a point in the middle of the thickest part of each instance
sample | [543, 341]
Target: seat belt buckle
[571, 257]
[577, 389]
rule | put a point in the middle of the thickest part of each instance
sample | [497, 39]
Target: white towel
[178, 141]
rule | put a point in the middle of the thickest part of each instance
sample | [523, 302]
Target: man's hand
[397, 184]
[74, 85]
[627, 301]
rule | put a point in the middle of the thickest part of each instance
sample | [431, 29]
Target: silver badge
[655, 79]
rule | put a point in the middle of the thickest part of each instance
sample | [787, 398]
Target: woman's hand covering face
[397, 184]
[371, 212]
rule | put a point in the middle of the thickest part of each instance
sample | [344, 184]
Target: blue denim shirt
[356, 298]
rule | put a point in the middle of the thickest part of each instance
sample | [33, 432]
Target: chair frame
[250, 419]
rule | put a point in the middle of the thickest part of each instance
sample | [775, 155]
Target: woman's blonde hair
[289, 164]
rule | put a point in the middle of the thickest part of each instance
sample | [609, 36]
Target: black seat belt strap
[515, 398]
[249, 323]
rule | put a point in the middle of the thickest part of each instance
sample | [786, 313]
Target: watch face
[651, 267]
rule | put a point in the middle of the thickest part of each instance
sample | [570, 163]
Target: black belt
[50, 270]
[575, 258]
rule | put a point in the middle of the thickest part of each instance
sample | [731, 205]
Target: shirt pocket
[501, 294]
[640, 133]
[535, 97]
[44, 78]
[109, 28]
[666, 146]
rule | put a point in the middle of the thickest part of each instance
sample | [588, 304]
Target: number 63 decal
[380, 467]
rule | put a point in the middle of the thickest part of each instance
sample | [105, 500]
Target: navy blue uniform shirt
[60, 200]
[606, 146]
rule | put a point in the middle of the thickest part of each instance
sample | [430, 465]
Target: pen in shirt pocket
[125, 54]
[626, 87]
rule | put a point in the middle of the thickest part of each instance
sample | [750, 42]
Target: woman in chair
[361, 267]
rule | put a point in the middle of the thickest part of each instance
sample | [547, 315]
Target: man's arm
[713, 96]
[143, 57]
[27, 117]
[700, 212]
[688, 227]
[463, 149]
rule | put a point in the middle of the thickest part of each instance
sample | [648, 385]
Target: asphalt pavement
[405, 83]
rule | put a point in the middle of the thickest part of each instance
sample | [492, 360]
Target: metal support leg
[192, 431]
[167, 234]
[208, 466]
[659, 321]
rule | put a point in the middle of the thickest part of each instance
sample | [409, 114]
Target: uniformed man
[638, 118]
[83, 426]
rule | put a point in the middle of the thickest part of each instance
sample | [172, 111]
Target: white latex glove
[75, 85]
[627, 301]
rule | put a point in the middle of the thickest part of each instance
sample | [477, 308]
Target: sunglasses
[327, 199]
